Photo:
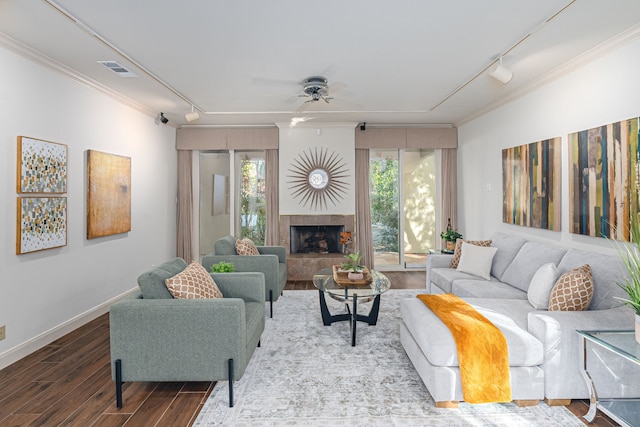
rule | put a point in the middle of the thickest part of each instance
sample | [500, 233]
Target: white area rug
[307, 374]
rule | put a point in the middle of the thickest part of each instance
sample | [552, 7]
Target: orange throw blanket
[483, 354]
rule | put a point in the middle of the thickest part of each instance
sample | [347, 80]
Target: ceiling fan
[316, 88]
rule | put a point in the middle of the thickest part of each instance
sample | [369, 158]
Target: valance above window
[252, 138]
[407, 138]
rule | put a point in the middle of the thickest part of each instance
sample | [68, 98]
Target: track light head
[363, 126]
[501, 74]
[163, 119]
[194, 115]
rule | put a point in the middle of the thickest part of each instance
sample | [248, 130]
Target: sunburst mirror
[317, 178]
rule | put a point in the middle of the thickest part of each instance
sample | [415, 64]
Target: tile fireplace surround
[303, 266]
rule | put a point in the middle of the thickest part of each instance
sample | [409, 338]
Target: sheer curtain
[364, 235]
[272, 199]
[184, 214]
[449, 207]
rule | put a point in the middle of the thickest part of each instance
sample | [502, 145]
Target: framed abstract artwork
[603, 180]
[41, 166]
[42, 223]
[531, 181]
[108, 194]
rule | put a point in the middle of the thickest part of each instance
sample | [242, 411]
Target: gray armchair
[155, 337]
[271, 261]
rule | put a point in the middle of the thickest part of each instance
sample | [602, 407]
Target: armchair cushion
[152, 283]
[246, 247]
[225, 246]
[193, 282]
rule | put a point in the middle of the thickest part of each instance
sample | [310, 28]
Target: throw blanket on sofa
[483, 354]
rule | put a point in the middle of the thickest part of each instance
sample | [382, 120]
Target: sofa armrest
[247, 286]
[178, 339]
[436, 261]
[562, 347]
[267, 264]
[274, 250]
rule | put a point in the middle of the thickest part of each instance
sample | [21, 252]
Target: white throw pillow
[476, 260]
[541, 285]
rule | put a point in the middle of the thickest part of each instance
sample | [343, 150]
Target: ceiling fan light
[502, 74]
[194, 115]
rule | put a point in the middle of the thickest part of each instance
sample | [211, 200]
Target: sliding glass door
[402, 207]
[231, 196]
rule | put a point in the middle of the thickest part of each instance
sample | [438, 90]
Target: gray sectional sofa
[544, 349]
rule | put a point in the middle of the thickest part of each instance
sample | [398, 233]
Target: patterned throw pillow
[193, 282]
[573, 291]
[458, 250]
[246, 247]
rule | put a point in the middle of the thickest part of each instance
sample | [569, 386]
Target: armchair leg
[230, 383]
[119, 383]
[271, 302]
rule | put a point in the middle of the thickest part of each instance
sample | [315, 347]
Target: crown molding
[50, 63]
[591, 55]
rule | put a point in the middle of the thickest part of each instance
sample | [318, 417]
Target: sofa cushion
[225, 246]
[529, 258]
[193, 282]
[438, 345]
[444, 277]
[541, 285]
[476, 260]
[508, 247]
[152, 283]
[474, 288]
[246, 247]
[573, 291]
[607, 270]
[458, 250]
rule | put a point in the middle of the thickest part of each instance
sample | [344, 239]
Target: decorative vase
[355, 276]
[451, 245]
[637, 328]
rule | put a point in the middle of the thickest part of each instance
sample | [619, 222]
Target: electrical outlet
[1, 332]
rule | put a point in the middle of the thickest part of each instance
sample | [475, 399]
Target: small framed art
[42, 223]
[41, 166]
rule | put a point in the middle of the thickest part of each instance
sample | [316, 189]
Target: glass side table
[623, 344]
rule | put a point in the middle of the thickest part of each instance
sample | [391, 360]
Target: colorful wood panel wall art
[603, 179]
[42, 223]
[531, 181]
[42, 166]
[108, 194]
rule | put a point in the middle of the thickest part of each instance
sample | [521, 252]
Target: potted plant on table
[352, 265]
[630, 254]
[451, 236]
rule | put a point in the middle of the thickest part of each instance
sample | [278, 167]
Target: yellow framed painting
[108, 194]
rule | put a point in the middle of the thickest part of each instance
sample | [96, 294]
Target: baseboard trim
[36, 343]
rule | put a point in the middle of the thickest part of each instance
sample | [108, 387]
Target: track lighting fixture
[363, 126]
[502, 74]
[193, 115]
[163, 119]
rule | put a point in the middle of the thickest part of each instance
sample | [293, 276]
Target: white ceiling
[241, 62]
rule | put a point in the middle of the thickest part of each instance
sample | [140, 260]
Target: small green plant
[352, 262]
[223, 267]
[450, 235]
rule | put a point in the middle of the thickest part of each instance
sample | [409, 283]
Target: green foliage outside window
[253, 215]
[384, 204]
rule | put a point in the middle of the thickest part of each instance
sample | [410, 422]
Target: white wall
[294, 140]
[603, 91]
[47, 293]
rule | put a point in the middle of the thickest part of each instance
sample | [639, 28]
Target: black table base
[351, 315]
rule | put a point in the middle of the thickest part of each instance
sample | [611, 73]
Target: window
[402, 206]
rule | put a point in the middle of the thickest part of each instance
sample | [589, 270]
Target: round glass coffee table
[350, 294]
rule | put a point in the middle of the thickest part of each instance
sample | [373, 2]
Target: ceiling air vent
[117, 68]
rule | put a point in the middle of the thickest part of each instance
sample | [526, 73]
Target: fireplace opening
[316, 239]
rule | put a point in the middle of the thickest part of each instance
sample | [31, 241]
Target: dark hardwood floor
[68, 383]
